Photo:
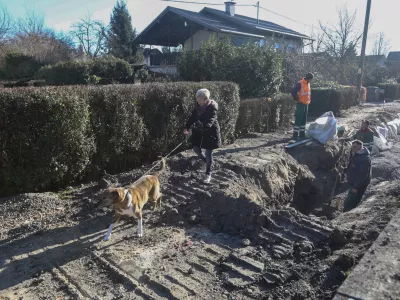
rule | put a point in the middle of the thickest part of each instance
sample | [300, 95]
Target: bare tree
[342, 39]
[340, 42]
[6, 23]
[90, 35]
[31, 37]
[32, 24]
[381, 45]
[317, 39]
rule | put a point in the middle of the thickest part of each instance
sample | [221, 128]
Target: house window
[291, 48]
[278, 47]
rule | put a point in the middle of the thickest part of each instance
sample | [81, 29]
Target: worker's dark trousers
[300, 120]
[353, 199]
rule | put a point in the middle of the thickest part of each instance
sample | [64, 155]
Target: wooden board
[297, 143]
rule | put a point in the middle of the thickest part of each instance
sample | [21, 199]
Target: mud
[252, 233]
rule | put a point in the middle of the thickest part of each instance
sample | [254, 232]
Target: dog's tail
[162, 167]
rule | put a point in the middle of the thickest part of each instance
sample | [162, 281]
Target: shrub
[93, 79]
[53, 136]
[78, 72]
[265, 114]
[257, 70]
[18, 66]
[143, 75]
[332, 99]
[111, 68]
[392, 91]
[45, 138]
[118, 129]
[65, 73]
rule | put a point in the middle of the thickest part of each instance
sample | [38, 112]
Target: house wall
[197, 39]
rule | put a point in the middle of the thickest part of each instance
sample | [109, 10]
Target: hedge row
[18, 65]
[332, 99]
[392, 91]
[265, 114]
[107, 69]
[53, 136]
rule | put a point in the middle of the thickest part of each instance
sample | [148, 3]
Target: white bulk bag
[392, 130]
[381, 143]
[383, 131]
[324, 128]
[396, 125]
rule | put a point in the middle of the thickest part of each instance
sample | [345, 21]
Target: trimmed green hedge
[108, 69]
[19, 66]
[392, 91]
[45, 138]
[53, 136]
[332, 99]
[265, 114]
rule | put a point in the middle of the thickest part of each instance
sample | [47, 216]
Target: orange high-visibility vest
[305, 92]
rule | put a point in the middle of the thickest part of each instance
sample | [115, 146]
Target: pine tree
[121, 33]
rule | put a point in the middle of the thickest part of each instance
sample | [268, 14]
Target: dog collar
[128, 194]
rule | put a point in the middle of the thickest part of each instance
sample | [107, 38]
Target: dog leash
[165, 157]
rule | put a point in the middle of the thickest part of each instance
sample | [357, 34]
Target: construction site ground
[264, 228]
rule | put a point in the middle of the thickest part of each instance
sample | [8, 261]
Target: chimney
[230, 7]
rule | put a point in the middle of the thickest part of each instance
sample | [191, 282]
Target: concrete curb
[377, 276]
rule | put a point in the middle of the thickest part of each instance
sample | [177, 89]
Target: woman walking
[205, 129]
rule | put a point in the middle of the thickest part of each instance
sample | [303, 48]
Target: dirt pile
[246, 185]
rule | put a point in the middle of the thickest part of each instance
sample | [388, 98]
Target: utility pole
[258, 12]
[364, 43]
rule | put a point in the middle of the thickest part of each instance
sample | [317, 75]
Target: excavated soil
[264, 228]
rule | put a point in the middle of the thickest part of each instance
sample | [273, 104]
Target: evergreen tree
[121, 33]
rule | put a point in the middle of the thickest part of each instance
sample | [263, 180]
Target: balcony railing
[164, 59]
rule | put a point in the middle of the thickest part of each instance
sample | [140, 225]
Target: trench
[263, 229]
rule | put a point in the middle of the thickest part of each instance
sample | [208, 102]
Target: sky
[60, 14]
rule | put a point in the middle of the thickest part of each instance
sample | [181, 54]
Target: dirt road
[241, 237]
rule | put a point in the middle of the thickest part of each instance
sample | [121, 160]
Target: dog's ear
[114, 192]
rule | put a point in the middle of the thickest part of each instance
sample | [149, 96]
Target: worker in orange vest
[302, 95]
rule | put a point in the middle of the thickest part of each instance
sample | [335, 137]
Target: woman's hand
[186, 132]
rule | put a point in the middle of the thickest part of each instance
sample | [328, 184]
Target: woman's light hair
[203, 93]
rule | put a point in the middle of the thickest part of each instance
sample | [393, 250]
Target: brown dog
[130, 201]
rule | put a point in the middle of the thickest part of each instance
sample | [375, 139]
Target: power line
[205, 3]
[275, 13]
[189, 2]
[253, 5]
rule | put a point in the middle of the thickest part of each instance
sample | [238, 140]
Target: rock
[345, 261]
[194, 219]
[191, 271]
[223, 185]
[246, 242]
[306, 246]
[385, 241]
[104, 183]
[339, 237]
[173, 212]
